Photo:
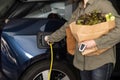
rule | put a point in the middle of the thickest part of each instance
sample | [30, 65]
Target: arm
[113, 37]
[61, 33]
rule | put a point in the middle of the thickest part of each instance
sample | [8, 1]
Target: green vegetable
[109, 17]
[94, 17]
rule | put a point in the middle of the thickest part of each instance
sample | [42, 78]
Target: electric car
[24, 53]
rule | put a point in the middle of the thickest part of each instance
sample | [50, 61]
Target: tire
[39, 71]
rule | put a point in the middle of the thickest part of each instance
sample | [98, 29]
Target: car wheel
[39, 71]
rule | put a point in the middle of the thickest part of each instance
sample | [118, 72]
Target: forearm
[58, 34]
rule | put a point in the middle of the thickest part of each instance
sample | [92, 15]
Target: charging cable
[51, 62]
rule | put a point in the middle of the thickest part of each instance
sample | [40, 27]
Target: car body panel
[20, 36]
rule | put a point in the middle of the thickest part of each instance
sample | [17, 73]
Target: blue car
[24, 53]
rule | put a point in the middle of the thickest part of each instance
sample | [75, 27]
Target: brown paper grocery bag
[88, 32]
[70, 41]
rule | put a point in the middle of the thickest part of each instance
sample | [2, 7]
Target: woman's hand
[89, 44]
[90, 47]
[46, 39]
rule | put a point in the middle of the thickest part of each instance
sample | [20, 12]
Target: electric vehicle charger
[41, 43]
[51, 62]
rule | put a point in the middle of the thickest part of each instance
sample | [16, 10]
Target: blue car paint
[22, 54]
[21, 38]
